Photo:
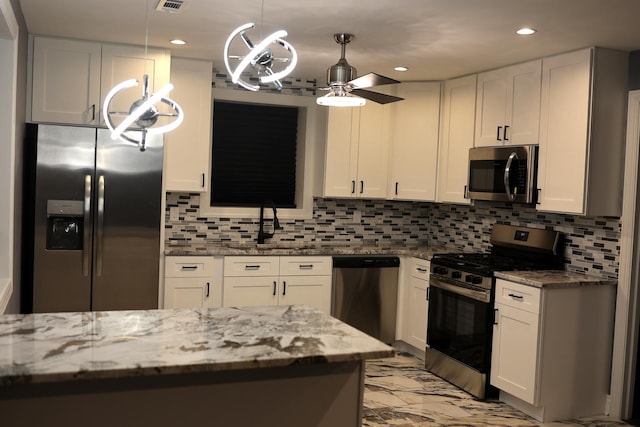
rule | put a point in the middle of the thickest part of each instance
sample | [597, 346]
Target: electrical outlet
[174, 213]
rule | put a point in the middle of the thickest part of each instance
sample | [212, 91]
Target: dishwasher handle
[358, 261]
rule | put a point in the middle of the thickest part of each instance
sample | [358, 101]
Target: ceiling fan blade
[371, 79]
[380, 98]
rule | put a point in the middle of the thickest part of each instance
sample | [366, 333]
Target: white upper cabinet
[187, 149]
[356, 154]
[508, 105]
[456, 138]
[120, 63]
[66, 81]
[70, 78]
[582, 132]
[413, 150]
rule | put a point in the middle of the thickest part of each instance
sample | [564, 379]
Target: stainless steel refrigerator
[92, 220]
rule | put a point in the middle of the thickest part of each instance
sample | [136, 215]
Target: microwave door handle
[511, 197]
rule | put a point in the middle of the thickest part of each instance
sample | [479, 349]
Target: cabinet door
[192, 292]
[523, 104]
[418, 306]
[341, 161]
[187, 149]
[66, 81]
[314, 291]
[373, 149]
[120, 63]
[458, 115]
[514, 352]
[491, 107]
[413, 153]
[250, 291]
[562, 159]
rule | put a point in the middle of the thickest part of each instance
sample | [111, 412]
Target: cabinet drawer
[519, 296]
[305, 266]
[251, 266]
[187, 266]
[420, 268]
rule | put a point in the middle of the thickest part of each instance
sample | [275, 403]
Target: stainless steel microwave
[506, 174]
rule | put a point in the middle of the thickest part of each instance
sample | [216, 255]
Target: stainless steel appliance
[365, 294]
[92, 220]
[461, 300]
[506, 174]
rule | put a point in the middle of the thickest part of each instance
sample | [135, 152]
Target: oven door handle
[507, 170]
[484, 296]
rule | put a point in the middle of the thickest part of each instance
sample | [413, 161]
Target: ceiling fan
[344, 84]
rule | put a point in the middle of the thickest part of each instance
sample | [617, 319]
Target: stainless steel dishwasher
[365, 294]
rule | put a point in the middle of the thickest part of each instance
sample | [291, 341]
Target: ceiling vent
[171, 6]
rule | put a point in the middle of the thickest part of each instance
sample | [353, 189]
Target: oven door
[504, 174]
[460, 323]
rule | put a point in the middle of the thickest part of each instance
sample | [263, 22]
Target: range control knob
[440, 270]
[456, 275]
[476, 280]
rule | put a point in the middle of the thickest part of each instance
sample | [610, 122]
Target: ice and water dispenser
[65, 223]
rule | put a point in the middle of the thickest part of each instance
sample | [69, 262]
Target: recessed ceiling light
[401, 68]
[178, 41]
[525, 31]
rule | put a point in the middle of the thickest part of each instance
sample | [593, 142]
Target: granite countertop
[53, 347]
[422, 252]
[553, 278]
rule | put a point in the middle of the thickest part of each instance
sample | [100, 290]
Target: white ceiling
[436, 39]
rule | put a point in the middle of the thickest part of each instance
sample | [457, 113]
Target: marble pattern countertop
[53, 347]
[422, 252]
[553, 278]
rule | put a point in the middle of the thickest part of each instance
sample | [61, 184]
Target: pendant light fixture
[143, 113]
[260, 57]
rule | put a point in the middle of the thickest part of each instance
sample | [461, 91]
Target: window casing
[309, 153]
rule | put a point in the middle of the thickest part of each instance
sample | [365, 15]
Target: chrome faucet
[276, 224]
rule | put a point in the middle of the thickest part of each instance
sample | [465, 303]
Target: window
[253, 154]
[309, 158]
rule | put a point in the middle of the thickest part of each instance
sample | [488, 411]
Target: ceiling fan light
[330, 100]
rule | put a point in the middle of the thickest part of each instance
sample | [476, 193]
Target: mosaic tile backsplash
[591, 243]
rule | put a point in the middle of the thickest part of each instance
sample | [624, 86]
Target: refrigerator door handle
[86, 244]
[100, 228]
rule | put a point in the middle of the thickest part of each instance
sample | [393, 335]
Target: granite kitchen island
[258, 366]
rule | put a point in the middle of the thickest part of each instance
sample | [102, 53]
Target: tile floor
[399, 392]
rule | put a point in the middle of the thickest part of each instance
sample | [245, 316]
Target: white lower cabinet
[274, 280]
[551, 352]
[412, 315]
[192, 282]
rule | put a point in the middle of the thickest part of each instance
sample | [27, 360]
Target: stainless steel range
[461, 296]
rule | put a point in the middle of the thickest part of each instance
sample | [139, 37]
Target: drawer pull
[252, 267]
[520, 297]
[284, 287]
[495, 316]
[421, 270]
[274, 288]
[189, 267]
[207, 295]
[306, 266]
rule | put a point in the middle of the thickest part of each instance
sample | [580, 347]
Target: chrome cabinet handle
[86, 245]
[511, 197]
[100, 231]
